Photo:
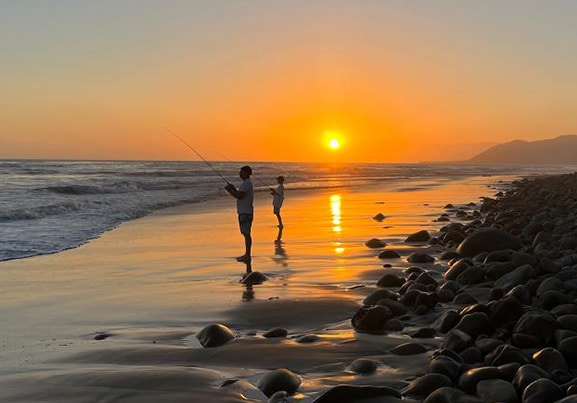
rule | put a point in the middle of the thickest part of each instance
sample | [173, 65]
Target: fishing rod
[199, 155]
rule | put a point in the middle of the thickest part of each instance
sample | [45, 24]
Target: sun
[333, 139]
[334, 144]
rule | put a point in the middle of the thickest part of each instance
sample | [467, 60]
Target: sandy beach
[116, 319]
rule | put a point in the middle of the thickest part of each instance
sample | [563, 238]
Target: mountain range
[560, 150]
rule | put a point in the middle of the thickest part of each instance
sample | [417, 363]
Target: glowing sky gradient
[400, 80]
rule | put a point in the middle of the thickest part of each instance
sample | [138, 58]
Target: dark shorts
[245, 223]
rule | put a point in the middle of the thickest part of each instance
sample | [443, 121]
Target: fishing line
[199, 155]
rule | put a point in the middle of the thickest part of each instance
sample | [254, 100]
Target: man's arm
[237, 194]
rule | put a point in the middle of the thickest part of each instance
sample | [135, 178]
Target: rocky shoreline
[511, 333]
[501, 309]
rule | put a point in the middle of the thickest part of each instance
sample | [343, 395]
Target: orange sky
[259, 80]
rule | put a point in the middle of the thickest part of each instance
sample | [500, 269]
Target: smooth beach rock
[215, 335]
[418, 257]
[414, 269]
[396, 307]
[496, 390]
[445, 295]
[375, 243]
[409, 349]
[390, 280]
[506, 310]
[394, 325]
[550, 283]
[464, 298]
[527, 374]
[508, 371]
[447, 321]
[426, 384]
[505, 354]
[389, 254]
[487, 239]
[520, 293]
[471, 355]
[568, 322]
[487, 344]
[279, 380]
[468, 380]
[276, 332]
[550, 299]
[517, 277]
[371, 319]
[307, 338]
[420, 236]
[424, 333]
[457, 268]
[445, 365]
[542, 391]
[349, 393]
[378, 295]
[568, 347]
[254, 278]
[538, 324]
[475, 324]
[379, 217]
[457, 340]
[451, 395]
[449, 254]
[426, 279]
[472, 275]
[550, 359]
[363, 366]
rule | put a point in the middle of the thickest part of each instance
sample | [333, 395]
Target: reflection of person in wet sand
[244, 207]
[280, 255]
[248, 293]
[277, 201]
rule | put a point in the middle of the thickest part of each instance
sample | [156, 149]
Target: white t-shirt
[278, 196]
[245, 205]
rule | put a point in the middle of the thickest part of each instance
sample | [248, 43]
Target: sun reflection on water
[336, 220]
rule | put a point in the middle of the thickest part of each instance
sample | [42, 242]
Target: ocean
[50, 206]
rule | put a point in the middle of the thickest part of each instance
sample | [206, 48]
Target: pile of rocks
[506, 306]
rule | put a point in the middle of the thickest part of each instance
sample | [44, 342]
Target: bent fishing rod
[199, 155]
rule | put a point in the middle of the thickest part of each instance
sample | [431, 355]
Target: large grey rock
[426, 384]
[517, 277]
[488, 239]
[372, 319]
[279, 380]
[496, 390]
[215, 335]
[542, 391]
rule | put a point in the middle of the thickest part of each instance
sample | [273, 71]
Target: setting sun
[334, 144]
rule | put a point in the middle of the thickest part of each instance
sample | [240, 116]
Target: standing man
[244, 207]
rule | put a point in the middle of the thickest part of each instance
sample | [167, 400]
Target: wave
[34, 213]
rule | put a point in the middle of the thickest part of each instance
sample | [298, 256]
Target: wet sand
[116, 319]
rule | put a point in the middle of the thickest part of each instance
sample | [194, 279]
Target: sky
[269, 80]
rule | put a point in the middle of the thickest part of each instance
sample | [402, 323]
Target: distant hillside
[560, 150]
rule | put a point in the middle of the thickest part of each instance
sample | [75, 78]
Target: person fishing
[244, 196]
[277, 200]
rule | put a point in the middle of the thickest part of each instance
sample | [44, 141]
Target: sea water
[50, 206]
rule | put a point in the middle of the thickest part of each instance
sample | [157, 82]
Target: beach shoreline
[137, 296]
